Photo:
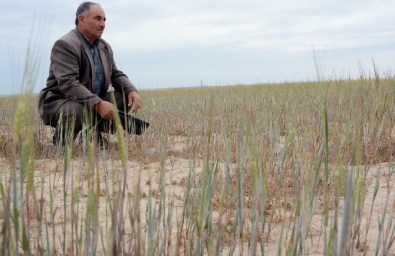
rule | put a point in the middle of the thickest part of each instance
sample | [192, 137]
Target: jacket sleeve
[119, 80]
[65, 65]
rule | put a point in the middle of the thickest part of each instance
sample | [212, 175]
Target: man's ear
[80, 19]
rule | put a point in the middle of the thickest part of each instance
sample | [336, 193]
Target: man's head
[90, 19]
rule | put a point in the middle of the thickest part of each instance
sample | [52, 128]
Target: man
[83, 79]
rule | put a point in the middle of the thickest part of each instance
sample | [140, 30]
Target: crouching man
[82, 69]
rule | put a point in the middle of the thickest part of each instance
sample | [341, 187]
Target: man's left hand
[134, 101]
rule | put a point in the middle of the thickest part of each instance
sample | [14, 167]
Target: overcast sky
[162, 44]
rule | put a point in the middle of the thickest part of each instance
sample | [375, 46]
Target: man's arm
[66, 69]
[119, 80]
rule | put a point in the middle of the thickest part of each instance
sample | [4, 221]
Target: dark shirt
[99, 71]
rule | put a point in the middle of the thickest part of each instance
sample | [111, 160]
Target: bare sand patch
[148, 181]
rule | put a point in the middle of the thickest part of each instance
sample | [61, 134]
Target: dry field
[285, 169]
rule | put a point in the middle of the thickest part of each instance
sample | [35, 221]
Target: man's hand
[105, 109]
[134, 101]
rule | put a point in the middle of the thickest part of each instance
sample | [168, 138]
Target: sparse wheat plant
[277, 169]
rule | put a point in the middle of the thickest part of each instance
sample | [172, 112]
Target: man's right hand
[105, 109]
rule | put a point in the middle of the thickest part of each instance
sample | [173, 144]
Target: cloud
[282, 27]
[217, 41]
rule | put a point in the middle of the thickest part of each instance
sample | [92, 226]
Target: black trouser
[71, 117]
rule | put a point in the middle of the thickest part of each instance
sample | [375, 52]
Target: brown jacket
[71, 75]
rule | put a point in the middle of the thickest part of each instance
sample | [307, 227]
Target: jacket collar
[103, 51]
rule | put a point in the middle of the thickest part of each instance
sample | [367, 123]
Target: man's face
[93, 25]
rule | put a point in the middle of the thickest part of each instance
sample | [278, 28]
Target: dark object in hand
[135, 125]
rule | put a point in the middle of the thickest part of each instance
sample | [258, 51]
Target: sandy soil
[49, 181]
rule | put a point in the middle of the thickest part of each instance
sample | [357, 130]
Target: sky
[174, 43]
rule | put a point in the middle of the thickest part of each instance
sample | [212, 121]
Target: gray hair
[83, 10]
